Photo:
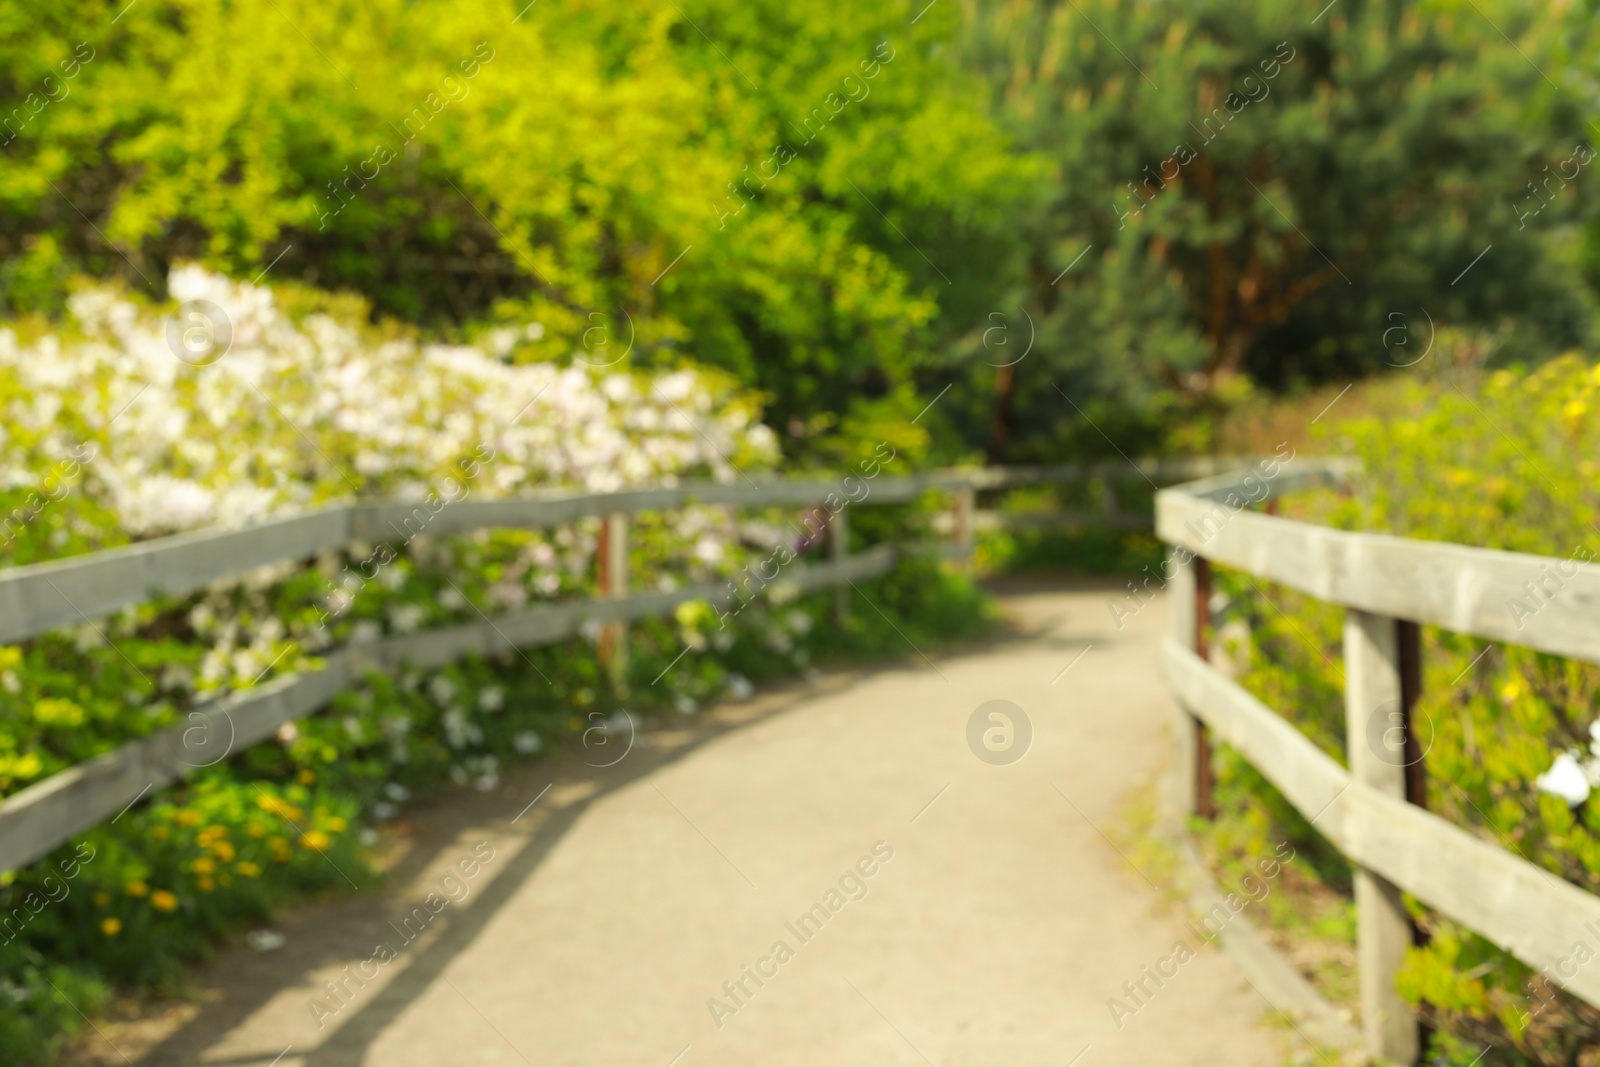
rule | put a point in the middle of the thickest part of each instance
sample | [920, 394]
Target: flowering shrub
[109, 437]
[1503, 462]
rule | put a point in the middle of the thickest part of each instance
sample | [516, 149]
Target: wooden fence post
[612, 563]
[1375, 731]
[963, 511]
[838, 549]
[1109, 505]
[1190, 590]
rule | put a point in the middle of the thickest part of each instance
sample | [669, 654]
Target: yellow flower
[159, 833]
[206, 884]
[101, 900]
[280, 807]
[111, 927]
[161, 900]
[316, 839]
[336, 824]
[256, 830]
[28, 766]
[204, 865]
[11, 655]
[1511, 690]
[188, 818]
[1572, 415]
[50, 712]
[137, 888]
[306, 776]
[248, 869]
[223, 850]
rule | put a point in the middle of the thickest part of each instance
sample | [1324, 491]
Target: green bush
[1500, 461]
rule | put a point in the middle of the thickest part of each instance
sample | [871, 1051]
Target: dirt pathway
[823, 875]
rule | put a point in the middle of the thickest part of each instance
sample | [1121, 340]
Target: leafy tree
[791, 191]
[1263, 190]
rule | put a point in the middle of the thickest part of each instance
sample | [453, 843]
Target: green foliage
[1256, 192]
[1500, 461]
[457, 165]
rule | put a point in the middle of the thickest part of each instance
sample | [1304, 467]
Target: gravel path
[822, 875]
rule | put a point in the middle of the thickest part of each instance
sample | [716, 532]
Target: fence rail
[41, 597]
[1371, 812]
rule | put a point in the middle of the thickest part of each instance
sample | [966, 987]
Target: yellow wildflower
[111, 927]
[280, 807]
[161, 900]
[50, 712]
[137, 888]
[248, 869]
[316, 839]
[204, 865]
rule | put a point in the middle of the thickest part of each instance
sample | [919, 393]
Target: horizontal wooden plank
[1524, 909]
[1307, 776]
[42, 816]
[43, 596]
[1538, 601]
[49, 813]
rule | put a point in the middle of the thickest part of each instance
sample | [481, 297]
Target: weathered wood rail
[1371, 812]
[38, 598]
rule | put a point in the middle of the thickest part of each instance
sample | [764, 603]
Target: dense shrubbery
[175, 446]
[1502, 461]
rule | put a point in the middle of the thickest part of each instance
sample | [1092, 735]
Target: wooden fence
[41, 597]
[1372, 812]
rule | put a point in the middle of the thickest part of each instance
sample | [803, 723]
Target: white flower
[365, 632]
[396, 792]
[457, 730]
[1565, 779]
[441, 689]
[527, 742]
[491, 698]
[384, 810]
[451, 599]
[685, 704]
[405, 618]
[739, 687]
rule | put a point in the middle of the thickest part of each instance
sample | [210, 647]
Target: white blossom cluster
[304, 411]
[298, 413]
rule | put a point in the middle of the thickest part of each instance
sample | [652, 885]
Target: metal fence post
[1376, 732]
